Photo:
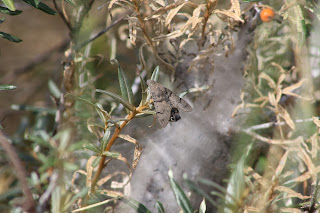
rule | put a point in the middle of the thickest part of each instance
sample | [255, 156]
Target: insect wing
[163, 112]
[179, 103]
[161, 102]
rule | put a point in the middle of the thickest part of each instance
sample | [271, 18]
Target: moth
[166, 103]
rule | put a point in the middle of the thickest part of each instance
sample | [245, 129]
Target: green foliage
[7, 87]
[10, 37]
[181, 197]
[6, 11]
[40, 6]
[9, 4]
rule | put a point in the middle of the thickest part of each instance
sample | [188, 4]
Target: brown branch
[148, 39]
[29, 203]
[110, 143]
[62, 16]
[84, 43]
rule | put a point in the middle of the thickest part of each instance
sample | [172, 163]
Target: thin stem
[148, 39]
[110, 143]
[20, 171]
[62, 16]
[100, 33]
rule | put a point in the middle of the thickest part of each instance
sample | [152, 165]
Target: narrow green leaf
[2, 20]
[111, 154]
[70, 2]
[100, 111]
[155, 74]
[203, 206]
[105, 139]
[144, 91]
[41, 6]
[54, 89]
[91, 147]
[159, 207]
[213, 184]
[82, 193]
[7, 87]
[10, 37]
[118, 98]
[33, 109]
[116, 120]
[6, 11]
[199, 191]
[125, 87]
[137, 206]
[9, 4]
[96, 161]
[89, 103]
[181, 197]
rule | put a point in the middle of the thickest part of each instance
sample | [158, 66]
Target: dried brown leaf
[195, 16]
[161, 2]
[171, 35]
[286, 116]
[111, 4]
[235, 6]
[89, 169]
[272, 99]
[314, 145]
[136, 156]
[278, 94]
[305, 176]
[230, 14]
[137, 149]
[290, 210]
[288, 89]
[270, 81]
[75, 174]
[281, 164]
[108, 177]
[133, 29]
[111, 193]
[256, 176]
[173, 13]
[280, 79]
[278, 66]
[291, 193]
[316, 121]
[128, 138]
[307, 160]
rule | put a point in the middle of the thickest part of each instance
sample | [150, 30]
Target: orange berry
[267, 15]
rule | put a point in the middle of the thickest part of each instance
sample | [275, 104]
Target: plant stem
[111, 141]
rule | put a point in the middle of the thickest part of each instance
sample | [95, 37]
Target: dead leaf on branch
[283, 113]
[137, 148]
[173, 13]
[110, 176]
[291, 193]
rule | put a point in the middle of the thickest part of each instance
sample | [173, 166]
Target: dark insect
[166, 103]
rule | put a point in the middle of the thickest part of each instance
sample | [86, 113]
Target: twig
[62, 16]
[19, 168]
[271, 124]
[77, 47]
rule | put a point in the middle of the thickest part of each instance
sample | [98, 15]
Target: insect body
[166, 103]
